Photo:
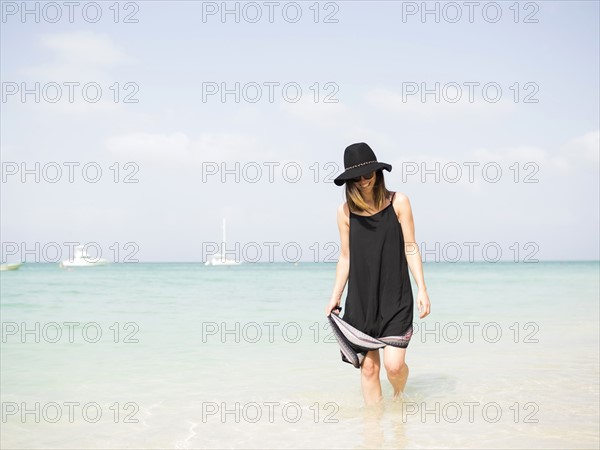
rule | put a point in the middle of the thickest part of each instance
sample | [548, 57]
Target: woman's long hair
[355, 200]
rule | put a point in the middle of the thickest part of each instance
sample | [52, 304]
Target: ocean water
[188, 356]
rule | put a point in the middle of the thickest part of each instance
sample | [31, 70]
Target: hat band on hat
[361, 164]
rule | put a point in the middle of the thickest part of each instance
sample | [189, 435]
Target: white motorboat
[221, 260]
[10, 266]
[82, 259]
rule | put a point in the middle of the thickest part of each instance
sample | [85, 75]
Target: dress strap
[392, 200]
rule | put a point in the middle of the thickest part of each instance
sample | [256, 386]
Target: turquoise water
[190, 356]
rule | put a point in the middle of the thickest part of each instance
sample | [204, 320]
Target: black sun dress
[379, 301]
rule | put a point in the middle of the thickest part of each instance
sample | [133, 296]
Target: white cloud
[78, 56]
[46, 109]
[341, 122]
[84, 47]
[151, 148]
[583, 149]
[392, 101]
[575, 154]
[521, 154]
[423, 168]
[179, 150]
[323, 115]
[7, 151]
[83, 57]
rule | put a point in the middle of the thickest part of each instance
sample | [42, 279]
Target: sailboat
[219, 259]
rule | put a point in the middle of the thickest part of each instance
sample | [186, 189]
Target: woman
[377, 247]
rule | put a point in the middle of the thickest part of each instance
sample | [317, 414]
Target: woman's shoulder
[400, 201]
[344, 209]
[343, 213]
[398, 196]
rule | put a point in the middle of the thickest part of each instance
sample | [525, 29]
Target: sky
[138, 129]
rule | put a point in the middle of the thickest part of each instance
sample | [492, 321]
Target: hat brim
[362, 170]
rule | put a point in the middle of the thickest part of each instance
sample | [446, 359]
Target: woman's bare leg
[396, 368]
[369, 376]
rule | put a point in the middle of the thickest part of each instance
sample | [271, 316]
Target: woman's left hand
[423, 303]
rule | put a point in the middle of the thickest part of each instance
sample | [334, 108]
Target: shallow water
[241, 357]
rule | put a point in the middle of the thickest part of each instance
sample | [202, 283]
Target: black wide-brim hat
[359, 159]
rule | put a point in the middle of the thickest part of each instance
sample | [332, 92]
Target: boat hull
[82, 263]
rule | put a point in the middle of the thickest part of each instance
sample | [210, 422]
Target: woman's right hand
[332, 304]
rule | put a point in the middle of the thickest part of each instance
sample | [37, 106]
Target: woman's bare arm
[411, 249]
[343, 264]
